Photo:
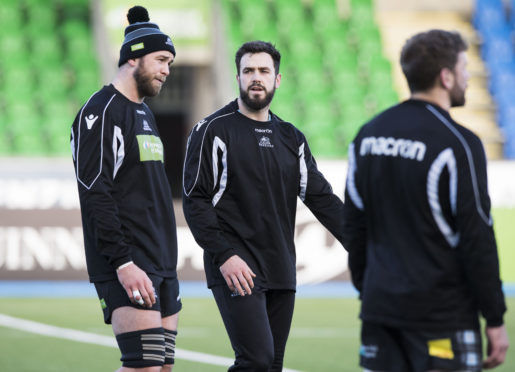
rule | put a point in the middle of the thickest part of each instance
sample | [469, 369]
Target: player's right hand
[238, 275]
[498, 343]
[135, 280]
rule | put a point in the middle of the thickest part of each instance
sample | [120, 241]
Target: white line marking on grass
[324, 332]
[93, 338]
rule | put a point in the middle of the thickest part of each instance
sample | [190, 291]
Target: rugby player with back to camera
[126, 202]
[417, 225]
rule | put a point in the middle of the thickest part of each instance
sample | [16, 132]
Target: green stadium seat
[5, 144]
[38, 3]
[290, 17]
[36, 95]
[319, 116]
[229, 9]
[255, 18]
[12, 44]
[327, 145]
[10, 16]
[86, 82]
[31, 145]
[338, 57]
[75, 10]
[58, 133]
[80, 44]
[18, 82]
[325, 17]
[384, 98]
[74, 3]
[287, 108]
[53, 82]
[43, 15]
[24, 129]
[46, 50]
[74, 28]
[361, 21]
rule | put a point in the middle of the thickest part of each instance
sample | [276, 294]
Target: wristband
[124, 265]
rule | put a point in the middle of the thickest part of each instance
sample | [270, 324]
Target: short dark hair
[258, 46]
[425, 54]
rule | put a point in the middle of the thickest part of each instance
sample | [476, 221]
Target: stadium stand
[494, 22]
[48, 69]
[340, 67]
[335, 76]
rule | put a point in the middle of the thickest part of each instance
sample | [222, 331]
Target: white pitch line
[96, 339]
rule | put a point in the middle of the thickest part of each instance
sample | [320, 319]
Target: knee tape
[145, 348]
[170, 346]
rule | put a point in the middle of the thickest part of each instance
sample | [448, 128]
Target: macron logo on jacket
[389, 146]
[90, 120]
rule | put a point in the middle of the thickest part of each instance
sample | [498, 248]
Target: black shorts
[112, 296]
[386, 348]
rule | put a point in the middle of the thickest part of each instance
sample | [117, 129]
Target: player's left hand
[497, 346]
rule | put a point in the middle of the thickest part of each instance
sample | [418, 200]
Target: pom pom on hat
[137, 14]
[142, 37]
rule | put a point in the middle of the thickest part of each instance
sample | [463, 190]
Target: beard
[457, 96]
[144, 81]
[256, 103]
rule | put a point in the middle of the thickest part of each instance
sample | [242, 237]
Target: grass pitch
[324, 336]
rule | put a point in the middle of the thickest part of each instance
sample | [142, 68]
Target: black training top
[418, 228]
[125, 198]
[241, 182]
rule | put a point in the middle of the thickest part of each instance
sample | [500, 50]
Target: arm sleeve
[204, 182]
[98, 154]
[477, 247]
[317, 193]
[354, 223]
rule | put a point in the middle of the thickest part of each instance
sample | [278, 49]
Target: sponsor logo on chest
[150, 148]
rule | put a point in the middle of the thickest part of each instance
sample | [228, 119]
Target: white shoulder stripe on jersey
[101, 143]
[72, 144]
[303, 173]
[351, 183]
[118, 151]
[186, 192]
[444, 159]
[219, 144]
[482, 214]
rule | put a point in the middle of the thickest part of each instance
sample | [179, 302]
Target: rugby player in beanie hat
[142, 36]
[132, 263]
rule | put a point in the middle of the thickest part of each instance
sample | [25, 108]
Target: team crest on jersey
[146, 126]
[265, 142]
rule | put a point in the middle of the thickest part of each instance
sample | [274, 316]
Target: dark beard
[457, 97]
[256, 104]
[144, 82]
